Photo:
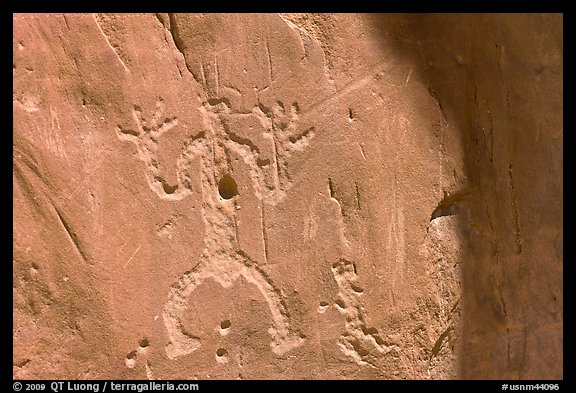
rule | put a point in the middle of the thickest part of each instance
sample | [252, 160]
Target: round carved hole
[225, 324]
[227, 187]
[144, 343]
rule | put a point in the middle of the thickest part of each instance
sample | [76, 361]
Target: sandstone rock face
[287, 196]
[499, 80]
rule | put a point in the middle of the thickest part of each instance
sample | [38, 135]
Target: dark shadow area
[498, 79]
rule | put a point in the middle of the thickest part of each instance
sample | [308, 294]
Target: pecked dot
[225, 324]
[227, 187]
[131, 359]
[221, 355]
[144, 343]
[224, 327]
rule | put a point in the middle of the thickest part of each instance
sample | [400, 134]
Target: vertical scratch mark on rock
[515, 212]
[357, 196]
[276, 160]
[203, 73]
[495, 244]
[264, 234]
[362, 150]
[331, 188]
[66, 21]
[217, 75]
[427, 70]
[491, 130]
[270, 74]
[109, 43]
[408, 77]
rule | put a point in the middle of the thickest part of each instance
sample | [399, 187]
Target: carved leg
[283, 339]
[181, 343]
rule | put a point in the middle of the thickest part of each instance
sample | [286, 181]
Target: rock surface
[287, 196]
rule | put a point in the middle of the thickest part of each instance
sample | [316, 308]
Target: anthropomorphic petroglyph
[222, 258]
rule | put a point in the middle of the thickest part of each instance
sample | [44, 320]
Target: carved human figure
[222, 258]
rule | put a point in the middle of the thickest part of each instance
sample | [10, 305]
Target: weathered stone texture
[287, 196]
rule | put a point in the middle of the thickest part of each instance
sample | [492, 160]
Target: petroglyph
[359, 342]
[146, 139]
[279, 127]
[222, 258]
[141, 353]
